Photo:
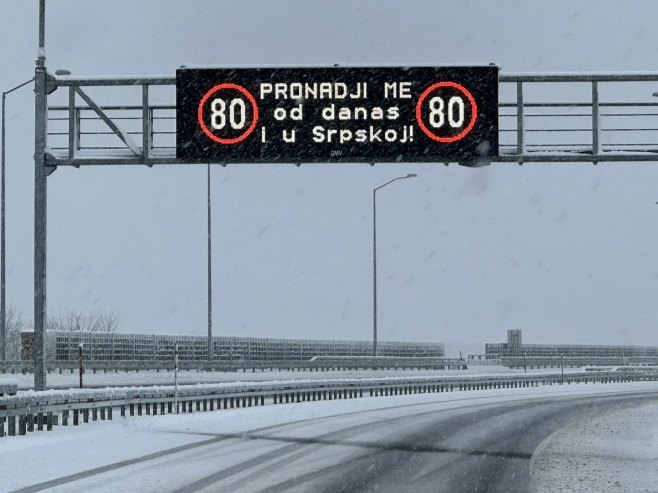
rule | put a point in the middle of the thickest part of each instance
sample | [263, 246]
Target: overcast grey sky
[566, 252]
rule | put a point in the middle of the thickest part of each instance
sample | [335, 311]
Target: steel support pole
[41, 56]
[209, 273]
[40, 194]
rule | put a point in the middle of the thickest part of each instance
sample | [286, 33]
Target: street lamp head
[62, 72]
[655, 94]
[411, 175]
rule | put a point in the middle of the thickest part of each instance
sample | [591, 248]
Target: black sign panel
[337, 114]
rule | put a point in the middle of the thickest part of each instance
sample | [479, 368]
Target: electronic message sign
[337, 114]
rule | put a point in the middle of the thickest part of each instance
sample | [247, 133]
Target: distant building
[63, 346]
[514, 348]
[514, 339]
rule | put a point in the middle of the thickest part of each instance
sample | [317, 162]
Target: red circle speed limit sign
[446, 112]
[227, 113]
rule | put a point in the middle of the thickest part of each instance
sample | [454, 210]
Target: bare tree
[15, 325]
[92, 321]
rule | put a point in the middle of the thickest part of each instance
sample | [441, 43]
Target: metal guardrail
[44, 409]
[573, 361]
[586, 117]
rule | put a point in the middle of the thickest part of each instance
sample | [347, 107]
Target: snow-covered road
[467, 441]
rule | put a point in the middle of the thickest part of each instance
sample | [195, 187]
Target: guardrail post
[102, 414]
[40, 421]
[49, 421]
[11, 426]
[85, 415]
[30, 422]
[2, 427]
[22, 420]
[76, 417]
[94, 414]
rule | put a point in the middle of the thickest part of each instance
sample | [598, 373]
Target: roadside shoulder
[616, 451]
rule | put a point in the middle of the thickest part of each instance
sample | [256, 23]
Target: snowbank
[129, 379]
[614, 452]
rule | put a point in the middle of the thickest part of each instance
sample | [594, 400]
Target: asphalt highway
[411, 447]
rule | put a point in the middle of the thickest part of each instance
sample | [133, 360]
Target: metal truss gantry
[549, 118]
[587, 118]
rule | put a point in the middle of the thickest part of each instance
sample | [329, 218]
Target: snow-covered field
[616, 452]
[101, 379]
[67, 451]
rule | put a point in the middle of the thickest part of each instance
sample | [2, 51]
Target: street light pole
[374, 258]
[3, 302]
[209, 274]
